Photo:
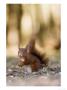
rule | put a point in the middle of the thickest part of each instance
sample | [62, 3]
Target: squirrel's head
[22, 53]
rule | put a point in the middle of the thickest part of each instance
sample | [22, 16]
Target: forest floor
[23, 76]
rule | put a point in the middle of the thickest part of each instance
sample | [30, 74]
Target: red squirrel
[30, 56]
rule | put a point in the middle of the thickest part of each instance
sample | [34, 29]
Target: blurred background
[24, 21]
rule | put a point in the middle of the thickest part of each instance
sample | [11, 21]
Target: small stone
[9, 70]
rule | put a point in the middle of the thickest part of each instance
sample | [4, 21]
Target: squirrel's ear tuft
[20, 48]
